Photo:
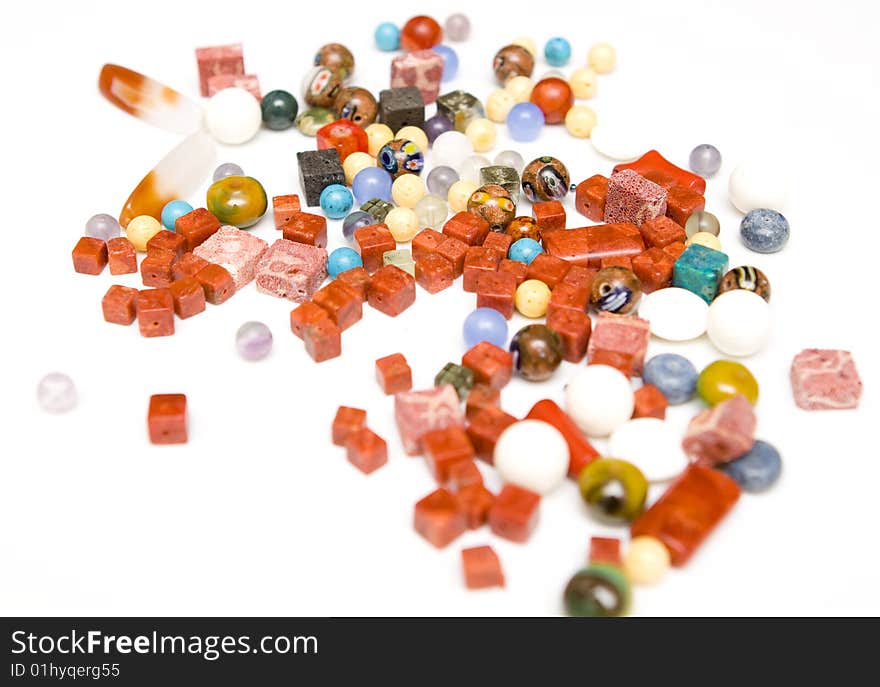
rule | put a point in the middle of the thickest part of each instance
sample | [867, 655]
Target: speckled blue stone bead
[764, 231]
[699, 269]
[387, 36]
[342, 260]
[705, 160]
[372, 182]
[757, 470]
[356, 220]
[557, 52]
[674, 375]
[336, 201]
[450, 62]
[524, 250]
[485, 324]
[524, 122]
[173, 210]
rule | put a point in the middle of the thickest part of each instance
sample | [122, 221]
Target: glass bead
[141, 229]
[702, 221]
[724, 379]
[764, 231]
[239, 201]
[646, 560]
[674, 375]
[748, 278]
[537, 352]
[372, 182]
[705, 160]
[336, 201]
[227, 169]
[510, 158]
[485, 324]
[400, 258]
[420, 33]
[342, 260]
[450, 62]
[320, 87]
[431, 211]
[469, 169]
[598, 591]
[436, 125]
[520, 87]
[451, 148]
[354, 163]
[757, 470]
[407, 190]
[253, 340]
[524, 122]
[616, 290]
[440, 179]
[583, 83]
[545, 178]
[580, 120]
[614, 490]
[399, 157]
[458, 27]
[279, 109]
[602, 58]
[402, 223]
[310, 121]
[461, 377]
[56, 393]
[557, 52]
[377, 136]
[525, 250]
[103, 226]
[173, 210]
[499, 104]
[414, 134]
[494, 204]
[387, 36]
[459, 194]
[335, 57]
[523, 228]
[481, 132]
[356, 220]
[532, 298]
[233, 116]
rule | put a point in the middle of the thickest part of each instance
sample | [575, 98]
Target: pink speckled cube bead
[248, 82]
[292, 270]
[420, 68]
[632, 198]
[825, 379]
[236, 250]
[218, 59]
[721, 433]
[618, 334]
[419, 412]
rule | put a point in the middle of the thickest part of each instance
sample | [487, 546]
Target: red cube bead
[654, 269]
[661, 231]
[581, 276]
[491, 365]
[547, 268]
[474, 502]
[434, 273]
[485, 428]
[373, 242]
[189, 265]
[305, 227]
[654, 162]
[218, 284]
[481, 396]
[425, 243]
[347, 422]
[119, 304]
[650, 402]
[89, 255]
[393, 374]
[681, 203]
[674, 250]
[481, 568]
[341, 303]
[514, 515]
[121, 256]
[580, 451]
[467, 227]
[305, 314]
[574, 330]
[366, 450]
[155, 312]
[549, 214]
[167, 242]
[462, 474]
[516, 268]
[616, 261]
[196, 227]
[438, 519]
[477, 261]
[166, 419]
[283, 208]
[568, 297]
[391, 290]
[605, 550]
[356, 279]
[619, 341]
[497, 290]
[189, 297]
[444, 448]
[619, 360]
[589, 197]
[498, 240]
[453, 250]
[323, 340]
[344, 135]
[156, 269]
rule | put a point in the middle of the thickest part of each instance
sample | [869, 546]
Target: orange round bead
[554, 97]
[420, 33]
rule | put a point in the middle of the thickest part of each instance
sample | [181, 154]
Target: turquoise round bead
[336, 201]
[173, 210]
[525, 250]
[341, 260]
[387, 36]
[557, 52]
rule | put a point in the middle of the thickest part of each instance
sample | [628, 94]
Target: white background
[259, 513]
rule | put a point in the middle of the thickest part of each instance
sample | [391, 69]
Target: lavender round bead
[354, 221]
[253, 340]
[227, 169]
[674, 375]
[440, 180]
[56, 393]
[436, 125]
[485, 324]
[705, 160]
[458, 27]
[102, 227]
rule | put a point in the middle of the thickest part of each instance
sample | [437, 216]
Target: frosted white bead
[758, 184]
[675, 314]
[233, 116]
[739, 322]
[56, 393]
[532, 454]
[599, 399]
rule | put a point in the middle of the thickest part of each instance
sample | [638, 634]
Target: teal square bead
[699, 269]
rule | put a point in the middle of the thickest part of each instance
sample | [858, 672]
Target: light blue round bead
[387, 36]
[764, 231]
[356, 220]
[341, 260]
[674, 375]
[557, 52]
[372, 182]
[757, 470]
[336, 200]
[524, 122]
[450, 61]
[173, 210]
[524, 250]
[485, 324]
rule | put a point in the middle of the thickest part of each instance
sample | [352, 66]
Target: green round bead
[598, 591]
[279, 110]
[237, 200]
[724, 379]
[614, 490]
[309, 121]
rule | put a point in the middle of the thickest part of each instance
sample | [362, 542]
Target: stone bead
[646, 560]
[426, 243]
[481, 133]
[189, 297]
[514, 515]
[757, 184]
[450, 62]
[532, 298]
[614, 490]
[420, 33]
[481, 567]
[403, 223]
[451, 148]
[532, 454]
[196, 227]
[574, 331]
[661, 231]
[400, 107]
[721, 433]
[704, 238]
[477, 261]
[705, 160]
[548, 269]
[555, 98]
[166, 418]
[489, 364]
[253, 341]
[628, 336]
[342, 259]
[517, 269]
[654, 269]
[764, 231]
[344, 136]
[217, 283]
[537, 352]
[418, 412]
[599, 399]
[485, 427]
[454, 251]
[227, 169]
[436, 125]
[391, 290]
[438, 519]
[157, 270]
[402, 259]
[336, 201]
[499, 104]
[557, 51]
[155, 312]
[393, 374]
[372, 182]
[237, 201]
[702, 222]
[525, 250]
[414, 134]
[739, 323]
[90, 255]
[119, 305]
[580, 120]
[103, 227]
[480, 397]
[590, 197]
[524, 122]
[347, 422]
[699, 270]
[377, 136]
[279, 109]
[378, 208]
[674, 375]
[308, 228]
[825, 379]
[598, 591]
[724, 379]
[649, 402]
[233, 116]
[56, 393]
[323, 340]
[675, 314]
[356, 279]
[616, 290]
[469, 169]
[583, 83]
[366, 450]
[602, 58]
[444, 450]
[304, 315]
[342, 304]
[485, 324]
[496, 290]
[141, 229]
[757, 470]
[652, 445]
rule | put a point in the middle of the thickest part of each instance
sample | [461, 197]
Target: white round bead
[739, 322]
[469, 169]
[233, 116]
[56, 393]
[599, 398]
[616, 142]
[451, 148]
[532, 454]
[652, 445]
[758, 184]
[675, 314]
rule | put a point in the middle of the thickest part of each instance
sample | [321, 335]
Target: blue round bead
[557, 52]
[387, 36]
[341, 260]
[674, 375]
[764, 231]
[173, 210]
[524, 122]
[356, 220]
[524, 250]
[336, 200]
[485, 324]
[372, 182]
[450, 61]
[757, 470]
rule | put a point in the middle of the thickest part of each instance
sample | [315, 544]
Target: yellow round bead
[498, 104]
[403, 223]
[141, 229]
[527, 43]
[354, 163]
[407, 190]
[520, 87]
[580, 120]
[583, 83]
[481, 133]
[377, 136]
[646, 560]
[704, 238]
[459, 194]
[601, 58]
[532, 298]
[414, 134]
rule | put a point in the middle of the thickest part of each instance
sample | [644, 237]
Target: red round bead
[344, 135]
[420, 33]
[554, 97]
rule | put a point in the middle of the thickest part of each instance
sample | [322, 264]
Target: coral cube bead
[157, 269]
[167, 242]
[89, 255]
[467, 227]
[632, 198]
[155, 312]
[654, 269]
[189, 297]
[366, 450]
[393, 374]
[547, 268]
[589, 197]
[217, 283]
[166, 419]
[306, 227]
[196, 227]
[549, 214]
[453, 250]
[284, 208]
[347, 422]
[438, 519]
[291, 270]
[462, 474]
[425, 243]
[661, 231]
[484, 429]
[681, 203]
[373, 242]
[434, 273]
[605, 550]
[189, 265]
[356, 279]
[481, 567]
[475, 502]
[574, 331]
[306, 314]
[497, 290]
[491, 365]
[344, 135]
[444, 448]
[237, 250]
[323, 340]
[580, 451]
[341, 303]
[119, 305]
[391, 290]
[121, 256]
[649, 402]
[498, 241]
[627, 336]
[481, 396]
[514, 515]
[516, 268]
[478, 261]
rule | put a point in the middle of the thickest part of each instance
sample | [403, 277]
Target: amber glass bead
[523, 228]
[614, 490]
[599, 591]
[237, 200]
[420, 33]
[537, 352]
[724, 379]
[554, 97]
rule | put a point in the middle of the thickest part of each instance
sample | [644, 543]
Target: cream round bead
[532, 298]
[739, 322]
[407, 190]
[704, 238]
[532, 454]
[646, 560]
[758, 184]
[599, 399]
[141, 229]
[414, 134]
[580, 120]
[377, 136]
[402, 223]
[520, 87]
[498, 104]
[527, 43]
[233, 116]
[583, 83]
[354, 163]
[459, 194]
[481, 133]
[602, 58]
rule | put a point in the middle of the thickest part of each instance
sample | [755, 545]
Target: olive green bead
[461, 377]
[614, 490]
[237, 200]
[724, 379]
[598, 591]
